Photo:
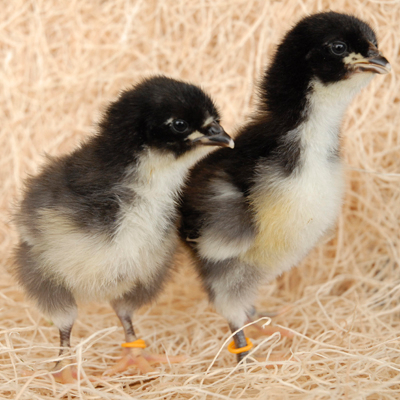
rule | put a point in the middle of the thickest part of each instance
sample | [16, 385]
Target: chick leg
[52, 298]
[63, 316]
[137, 357]
[240, 341]
[232, 287]
[63, 371]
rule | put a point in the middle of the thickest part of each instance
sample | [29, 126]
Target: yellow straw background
[62, 61]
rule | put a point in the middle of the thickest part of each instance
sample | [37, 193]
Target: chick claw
[142, 361]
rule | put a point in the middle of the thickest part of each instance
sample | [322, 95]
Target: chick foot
[256, 330]
[69, 374]
[141, 360]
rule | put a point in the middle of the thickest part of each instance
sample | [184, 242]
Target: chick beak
[377, 64]
[374, 63]
[213, 135]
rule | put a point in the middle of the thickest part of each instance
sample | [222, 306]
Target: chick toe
[142, 360]
[68, 374]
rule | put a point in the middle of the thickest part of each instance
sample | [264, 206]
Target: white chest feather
[293, 212]
[99, 266]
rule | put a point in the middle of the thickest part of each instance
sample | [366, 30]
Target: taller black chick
[100, 223]
[252, 213]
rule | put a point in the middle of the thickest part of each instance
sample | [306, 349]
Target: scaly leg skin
[240, 341]
[137, 357]
[63, 372]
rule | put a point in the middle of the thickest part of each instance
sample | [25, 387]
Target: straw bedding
[61, 62]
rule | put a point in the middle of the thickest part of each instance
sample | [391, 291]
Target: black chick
[252, 213]
[100, 223]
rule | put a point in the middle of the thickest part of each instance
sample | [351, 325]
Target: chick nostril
[373, 53]
[215, 129]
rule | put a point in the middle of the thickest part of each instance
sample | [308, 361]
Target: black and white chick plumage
[100, 223]
[252, 213]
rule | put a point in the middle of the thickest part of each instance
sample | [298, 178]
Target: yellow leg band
[140, 343]
[234, 350]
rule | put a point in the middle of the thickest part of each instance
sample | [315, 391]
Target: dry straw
[61, 61]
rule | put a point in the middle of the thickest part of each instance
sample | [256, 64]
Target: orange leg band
[234, 350]
[140, 343]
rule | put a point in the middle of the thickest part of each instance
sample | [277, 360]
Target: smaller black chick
[100, 223]
[252, 213]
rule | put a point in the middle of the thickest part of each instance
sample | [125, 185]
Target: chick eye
[338, 48]
[179, 125]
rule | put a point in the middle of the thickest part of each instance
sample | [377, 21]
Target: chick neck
[303, 114]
